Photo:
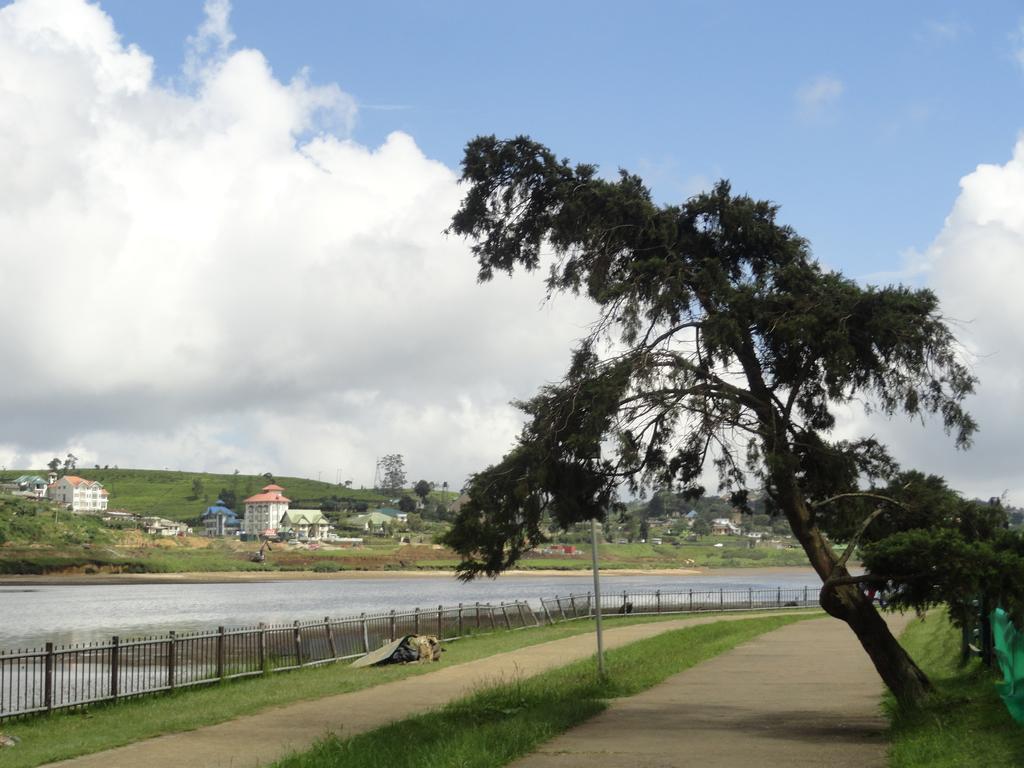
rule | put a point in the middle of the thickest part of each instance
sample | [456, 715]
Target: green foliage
[964, 723]
[391, 469]
[24, 522]
[422, 489]
[733, 347]
[701, 527]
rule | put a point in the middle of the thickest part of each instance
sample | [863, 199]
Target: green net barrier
[1009, 649]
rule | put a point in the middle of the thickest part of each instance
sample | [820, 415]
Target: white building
[159, 526]
[79, 494]
[723, 526]
[264, 511]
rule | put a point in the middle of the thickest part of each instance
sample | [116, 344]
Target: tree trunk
[898, 671]
[847, 602]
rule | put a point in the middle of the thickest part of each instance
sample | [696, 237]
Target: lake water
[32, 615]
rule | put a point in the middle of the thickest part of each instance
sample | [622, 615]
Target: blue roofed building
[218, 520]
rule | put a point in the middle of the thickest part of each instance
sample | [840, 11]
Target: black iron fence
[683, 601]
[63, 676]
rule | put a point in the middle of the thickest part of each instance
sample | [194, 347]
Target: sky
[221, 226]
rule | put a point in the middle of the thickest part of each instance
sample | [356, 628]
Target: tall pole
[597, 596]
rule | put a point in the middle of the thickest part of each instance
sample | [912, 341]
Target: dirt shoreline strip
[230, 577]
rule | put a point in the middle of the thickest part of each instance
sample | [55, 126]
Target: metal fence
[63, 676]
[558, 609]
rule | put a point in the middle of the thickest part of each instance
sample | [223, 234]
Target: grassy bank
[68, 734]
[966, 723]
[505, 721]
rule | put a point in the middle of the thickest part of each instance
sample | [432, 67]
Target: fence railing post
[416, 621]
[778, 598]
[330, 637]
[750, 597]
[172, 657]
[220, 653]
[115, 661]
[572, 604]
[262, 629]
[461, 633]
[691, 601]
[298, 644]
[440, 618]
[561, 610]
[391, 624]
[721, 599]
[805, 595]
[490, 613]
[366, 632]
[547, 613]
[625, 602]
[504, 612]
[48, 679]
[478, 614]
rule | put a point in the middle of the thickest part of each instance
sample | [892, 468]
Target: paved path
[269, 735]
[803, 695]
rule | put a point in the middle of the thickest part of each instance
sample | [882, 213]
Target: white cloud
[942, 32]
[218, 277]
[818, 97]
[976, 267]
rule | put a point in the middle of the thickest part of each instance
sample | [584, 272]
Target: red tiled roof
[273, 496]
[76, 481]
[272, 487]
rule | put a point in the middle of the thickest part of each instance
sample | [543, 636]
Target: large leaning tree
[720, 341]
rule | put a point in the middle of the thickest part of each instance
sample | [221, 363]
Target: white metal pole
[597, 596]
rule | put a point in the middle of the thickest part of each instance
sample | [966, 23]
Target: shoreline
[257, 577]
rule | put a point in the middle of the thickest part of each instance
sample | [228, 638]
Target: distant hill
[170, 494]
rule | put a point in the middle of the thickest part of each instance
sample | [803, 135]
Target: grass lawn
[503, 722]
[966, 724]
[67, 734]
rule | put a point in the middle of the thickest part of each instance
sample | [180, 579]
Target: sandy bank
[271, 576]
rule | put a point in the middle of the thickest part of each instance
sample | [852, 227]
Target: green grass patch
[68, 734]
[965, 723]
[505, 721]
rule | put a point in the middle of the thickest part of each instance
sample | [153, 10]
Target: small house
[33, 486]
[306, 524]
[722, 526]
[160, 526]
[79, 494]
[218, 520]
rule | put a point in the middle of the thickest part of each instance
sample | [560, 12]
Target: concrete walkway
[804, 695]
[270, 735]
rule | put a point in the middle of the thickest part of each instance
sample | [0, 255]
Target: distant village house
[264, 510]
[32, 486]
[159, 526]
[79, 494]
[267, 514]
[218, 520]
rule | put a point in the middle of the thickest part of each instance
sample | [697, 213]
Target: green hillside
[170, 494]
